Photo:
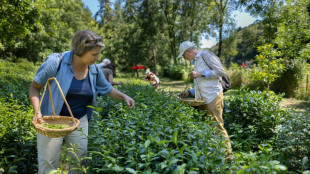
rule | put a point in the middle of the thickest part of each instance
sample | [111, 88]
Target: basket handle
[187, 83]
[51, 99]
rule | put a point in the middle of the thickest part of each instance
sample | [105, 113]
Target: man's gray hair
[191, 48]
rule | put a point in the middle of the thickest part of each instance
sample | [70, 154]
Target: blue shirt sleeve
[100, 65]
[47, 69]
[206, 73]
[192, 91]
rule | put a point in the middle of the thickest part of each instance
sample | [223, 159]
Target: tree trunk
[172, 46]
[154, 58]
[220, 38]
[137, 73]
[173, 51]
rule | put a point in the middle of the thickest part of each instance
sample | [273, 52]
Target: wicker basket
[70, 121]
[193, 102]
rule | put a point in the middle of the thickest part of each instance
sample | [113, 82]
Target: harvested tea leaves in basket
[55, 126]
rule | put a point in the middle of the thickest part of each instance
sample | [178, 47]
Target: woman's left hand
[117, 94]
[130, 102]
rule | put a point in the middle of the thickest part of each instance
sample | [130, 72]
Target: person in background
[80, 80]
[152, 78]
[242, 65]
[109, 71]
[207, 72]
[103, 63]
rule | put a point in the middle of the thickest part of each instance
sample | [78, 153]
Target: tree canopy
[149, 32]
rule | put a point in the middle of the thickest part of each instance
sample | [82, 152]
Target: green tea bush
[292, 141]
[18, 152]
[17, 137]
[15, 80]
[159, 135]
[260, 161]
[251, 117]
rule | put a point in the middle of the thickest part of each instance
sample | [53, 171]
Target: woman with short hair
[81, 81]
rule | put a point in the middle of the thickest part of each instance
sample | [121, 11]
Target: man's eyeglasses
[95, 40]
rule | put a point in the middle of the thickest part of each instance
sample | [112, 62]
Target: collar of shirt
[198, 55]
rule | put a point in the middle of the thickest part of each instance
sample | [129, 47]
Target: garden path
[177, 86]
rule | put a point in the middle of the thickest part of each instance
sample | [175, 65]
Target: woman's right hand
[34, 95]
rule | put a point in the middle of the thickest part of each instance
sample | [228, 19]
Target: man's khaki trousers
[215, 109]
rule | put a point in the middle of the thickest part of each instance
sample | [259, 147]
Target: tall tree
[194, 19]
[144, 27]
[269, 11]
[119, 27]
[17, 19]
[131, 45]
[293, 40]
[58, 21]
[269, 65]
[151, 25]
[293, 33]
[170, 10]
[185, 20]
[222, 19]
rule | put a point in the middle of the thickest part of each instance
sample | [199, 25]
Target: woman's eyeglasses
[95, 40]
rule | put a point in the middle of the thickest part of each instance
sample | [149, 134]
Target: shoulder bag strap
[59, 63]
[209, 66]
[205, 62]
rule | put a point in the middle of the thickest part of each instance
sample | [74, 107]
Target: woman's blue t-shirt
[79, 96]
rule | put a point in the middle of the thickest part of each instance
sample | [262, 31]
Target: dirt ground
[178, 86]
[172, 85]
[298, 105]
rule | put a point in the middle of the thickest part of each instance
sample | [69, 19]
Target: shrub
[238, 76]
[292, 141]
[175, 72]
[159, 135]
[290, 80]
[260, 162]
[251, 117]
[15, 80]
[269, 65]
[18, 138]
[303, 91]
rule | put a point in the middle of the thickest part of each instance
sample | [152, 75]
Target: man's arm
[214, 63]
